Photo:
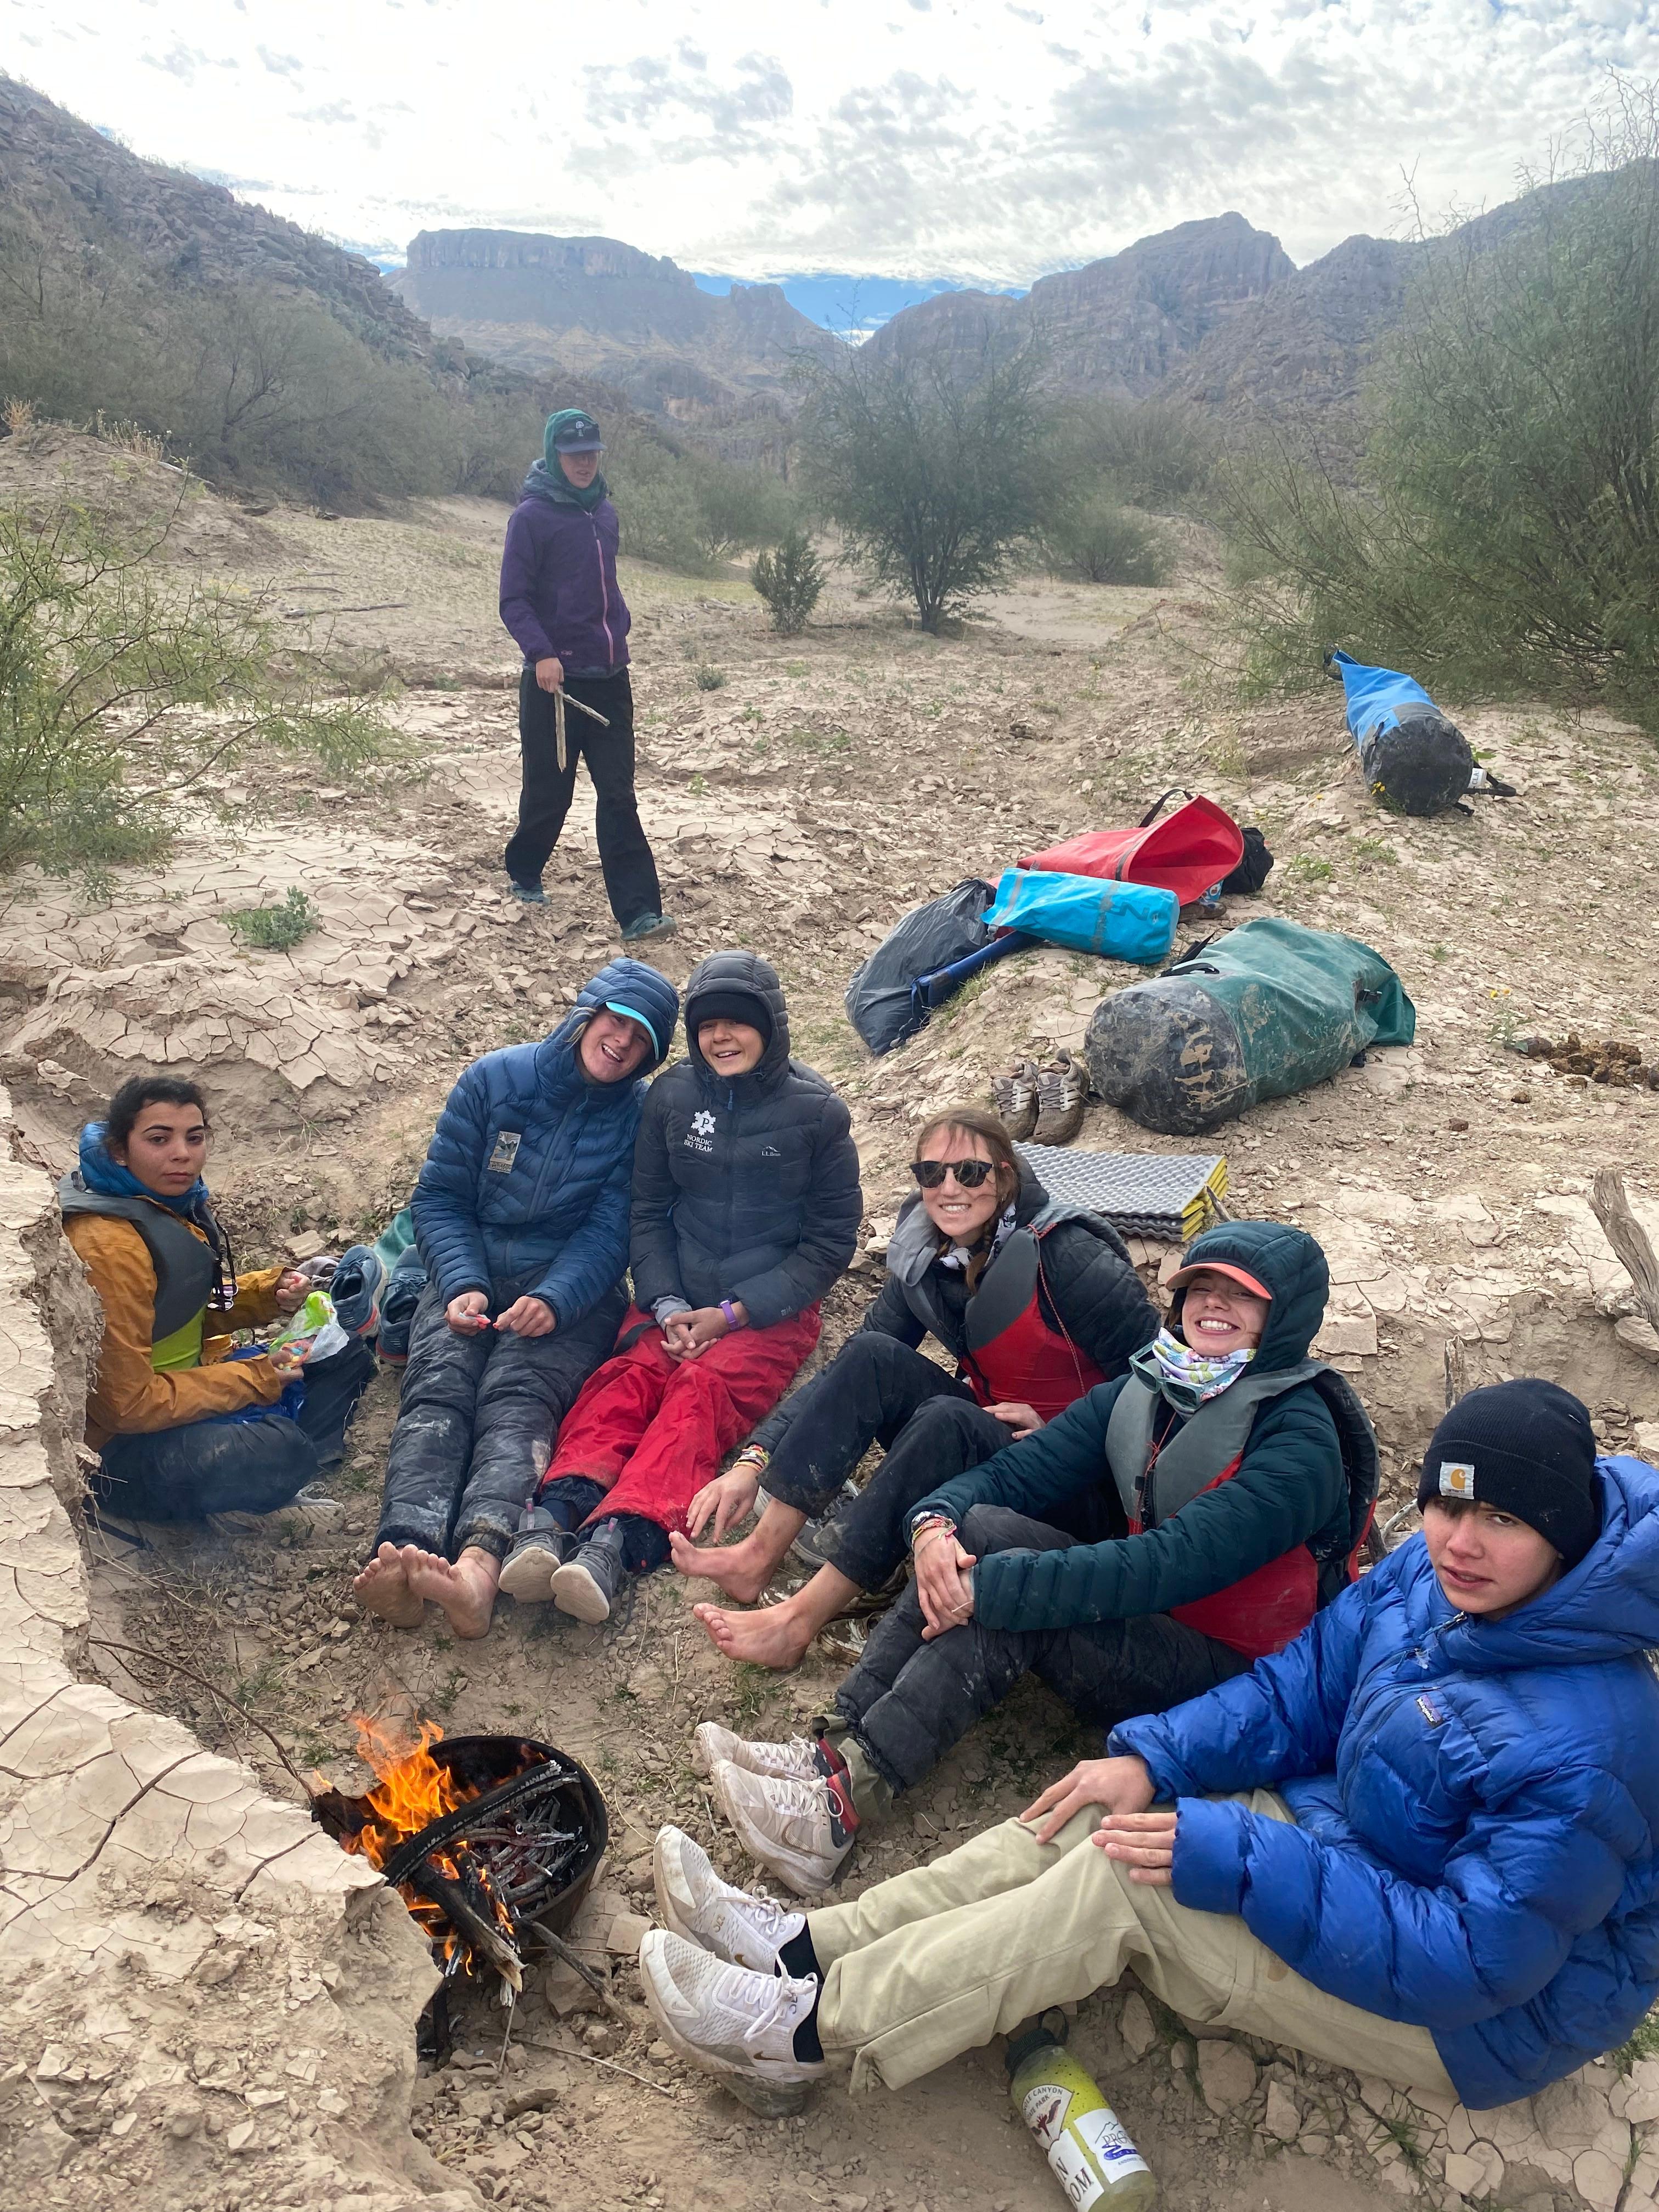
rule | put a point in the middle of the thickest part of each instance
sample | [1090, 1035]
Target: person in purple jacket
[561, 601]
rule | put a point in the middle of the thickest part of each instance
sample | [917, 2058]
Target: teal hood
[1286, 1261]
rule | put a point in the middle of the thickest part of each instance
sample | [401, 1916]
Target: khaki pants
[939, 1960]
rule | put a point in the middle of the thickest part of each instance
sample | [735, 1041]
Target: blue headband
[633, 1014]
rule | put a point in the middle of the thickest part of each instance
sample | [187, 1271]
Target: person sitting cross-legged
[1422, 1842]
[521, 1219]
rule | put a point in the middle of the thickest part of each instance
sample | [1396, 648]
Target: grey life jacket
[186, 1269]
[1211, 1443]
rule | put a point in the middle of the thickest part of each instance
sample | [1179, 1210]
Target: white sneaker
[736, 2025]
[744, 1930]
[797, 1760]
[787, 1825]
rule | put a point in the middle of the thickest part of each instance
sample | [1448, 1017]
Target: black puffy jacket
[1089, 1290]
[747, 1189]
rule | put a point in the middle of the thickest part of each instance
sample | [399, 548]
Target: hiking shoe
[528, 894]
[1062, 1100]
[712, 1746]
[735, 2024]
[649, 925]
[356, 1287]
[810, 1542]
[744, 1930]
[1015, 1097]
[539, 1550]
[397, 1302]
[587, 1584]
[787, 1825]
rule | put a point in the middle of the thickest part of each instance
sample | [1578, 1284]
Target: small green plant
[820, 741]
[275, 928]
[750, 714]
[1644, 2044]
[1440, 953]
[1377, 849]
[698, 785]
[1304, 869]
[709, 679]
[788, 580]
[794, 668]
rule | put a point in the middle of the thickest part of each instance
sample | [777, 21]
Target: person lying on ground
[746, 1209]
[181, 1426]
[521, 1218]
[561, 601]
[1157, 1539]
[1418, 1842]
[1037, 1300]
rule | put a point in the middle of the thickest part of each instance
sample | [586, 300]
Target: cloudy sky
[985, 142]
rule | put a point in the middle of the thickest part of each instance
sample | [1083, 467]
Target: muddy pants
[463, 1458]
[877, 1391]
[939, 1961]
[625, 856]
[651, 1431]
[906, 1702]
[240, 1466]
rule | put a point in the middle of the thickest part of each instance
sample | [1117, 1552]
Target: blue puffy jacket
[1476, 1803]
[525, 1185]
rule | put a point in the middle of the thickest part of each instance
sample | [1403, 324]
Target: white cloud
[874, 136]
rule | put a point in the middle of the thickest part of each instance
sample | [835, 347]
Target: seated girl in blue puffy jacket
[521, 1218]
[1419, 1842]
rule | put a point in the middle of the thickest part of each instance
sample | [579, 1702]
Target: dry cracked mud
[798, 805]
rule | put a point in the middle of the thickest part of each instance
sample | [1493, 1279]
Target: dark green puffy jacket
[1291, 1487]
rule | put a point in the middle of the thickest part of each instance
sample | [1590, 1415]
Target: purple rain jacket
[559, 590]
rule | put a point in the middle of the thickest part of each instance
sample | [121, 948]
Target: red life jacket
[1265, 1610]
[1012, 1355]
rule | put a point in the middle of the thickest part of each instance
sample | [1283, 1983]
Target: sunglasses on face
[969, 1174]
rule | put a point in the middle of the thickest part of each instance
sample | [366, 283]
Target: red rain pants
[654, 1429]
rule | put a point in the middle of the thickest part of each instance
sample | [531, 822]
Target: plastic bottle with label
[1087, 2145]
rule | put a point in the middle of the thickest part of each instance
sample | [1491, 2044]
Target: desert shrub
[709, 678]
[1503, 537]
[120, 689]
[1155, 453]
[275, 928]
[789, 578]
[931, 462]
[1103, 543]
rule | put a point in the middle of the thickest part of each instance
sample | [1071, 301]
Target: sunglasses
[969, 1174]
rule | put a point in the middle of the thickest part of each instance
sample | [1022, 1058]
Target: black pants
[463, 1460]
[906, 1702]
[877, 1390]
[237, 1467]
[630, 873]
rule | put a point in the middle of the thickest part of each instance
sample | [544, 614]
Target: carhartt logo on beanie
[1527, 1449]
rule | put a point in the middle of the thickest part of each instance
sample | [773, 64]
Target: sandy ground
[799, 805]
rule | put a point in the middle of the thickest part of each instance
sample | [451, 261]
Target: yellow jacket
[129, 1396]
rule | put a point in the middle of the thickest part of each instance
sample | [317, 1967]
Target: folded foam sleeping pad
[1415, 759]
[1261, 1013]
[1117, 921]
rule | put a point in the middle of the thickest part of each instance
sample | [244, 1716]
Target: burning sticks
[492, 1841]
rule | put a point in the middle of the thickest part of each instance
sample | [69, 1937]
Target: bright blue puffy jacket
[525, 1185]
[1476, 1847]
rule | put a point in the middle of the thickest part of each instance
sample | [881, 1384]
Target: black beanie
[1528, 1448]
[735, 1005]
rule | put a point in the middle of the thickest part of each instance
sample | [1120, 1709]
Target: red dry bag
[1188, 853]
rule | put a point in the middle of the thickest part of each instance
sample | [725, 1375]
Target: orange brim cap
[1182, 1276]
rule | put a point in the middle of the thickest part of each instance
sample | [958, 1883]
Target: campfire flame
[411, 1791]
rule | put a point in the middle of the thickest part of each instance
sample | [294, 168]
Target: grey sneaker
[1062, 1099]
[649, 925]
[588, 1583]
[1015, 1097]
[793, 1828]
[527, 894]
[539, 1550]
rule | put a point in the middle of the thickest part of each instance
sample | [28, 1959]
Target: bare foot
[383, 1588]
[771, 1637]
[464, 1589]
[742, 1571]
